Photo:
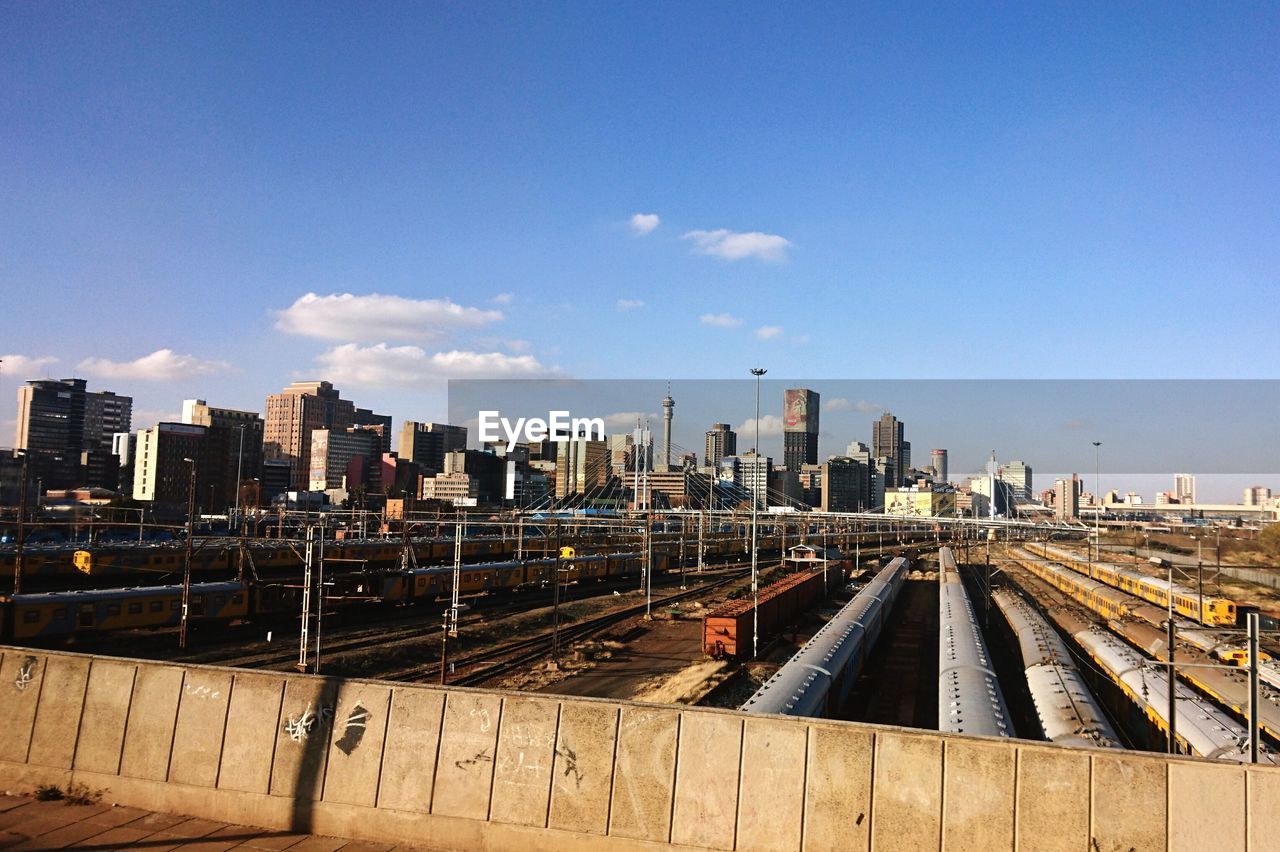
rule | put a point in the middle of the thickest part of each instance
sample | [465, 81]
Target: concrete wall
[471, 769]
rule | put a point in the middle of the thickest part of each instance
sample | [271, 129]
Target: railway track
[485, 665]
[421, 625]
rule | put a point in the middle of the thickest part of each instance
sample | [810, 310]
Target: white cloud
[628, 419]
[644, 223]
[770, 427]
[163, 365]
[24, 367]
[410, 366]
[629, 304]
[737, 245]
[503, 298]
[720, 320]
[768, 332]
[345, 316]
[800, 338]
[839, 403]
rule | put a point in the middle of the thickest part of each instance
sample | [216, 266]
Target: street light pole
[1097, 501]
[755, 508]
[186, 566]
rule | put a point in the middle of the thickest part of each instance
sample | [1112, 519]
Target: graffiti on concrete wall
[299, 727]
[26, 674]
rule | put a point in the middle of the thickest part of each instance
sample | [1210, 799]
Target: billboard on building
[799, 410]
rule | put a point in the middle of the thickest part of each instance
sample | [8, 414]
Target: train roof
[85, 595]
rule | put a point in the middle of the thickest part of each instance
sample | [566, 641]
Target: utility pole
[19, 565]
[555, 601]
[1173, 697]
[451, 615]
[186, 563]
[319, 594]
[1097, 501]
[755, 505]
[240, 470]
[304, 635]
[1252, 622]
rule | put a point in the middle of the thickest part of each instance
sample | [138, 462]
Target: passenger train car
[1157, 590]
[51, 614]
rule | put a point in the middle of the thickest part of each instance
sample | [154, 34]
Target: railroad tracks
[427, 625]
[485, 665]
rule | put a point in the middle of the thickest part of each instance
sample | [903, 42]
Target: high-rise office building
[887, 443]
[1256, 495]
[721, 441]
[1184, 487]
[1018, 475]
[292, 415]
[234, 446]
[582, 466]
[751, 471]
[379, 424]
[345, 458]
[426, 444]
[846, 485]
[161, 470]
[68, 430]
[938, 458]
[799, 428]
[1066, 498]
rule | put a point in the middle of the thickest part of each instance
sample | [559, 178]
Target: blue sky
[1017, 191]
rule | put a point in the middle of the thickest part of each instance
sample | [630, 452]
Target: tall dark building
[846, 485]
[233, 448]
[426, 444]
[364, 418]
[799, 428]
[886, 442]
[721, 441]
[68, 431]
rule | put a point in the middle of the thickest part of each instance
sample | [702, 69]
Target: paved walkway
[28, 824]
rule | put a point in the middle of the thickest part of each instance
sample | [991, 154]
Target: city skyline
[1131, 415]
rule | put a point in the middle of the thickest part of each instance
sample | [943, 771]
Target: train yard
[1022, 638]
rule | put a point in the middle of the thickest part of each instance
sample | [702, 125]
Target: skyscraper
[938, 458]
[721, 441]
[1018, 475]
[292, 415]
[1066, 498]
[68, 431]
[799, 428]
[1184, 487]
[233, 447]
[887, 443]
[425, 444]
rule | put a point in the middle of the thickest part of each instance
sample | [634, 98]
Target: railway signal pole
[452, 613]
